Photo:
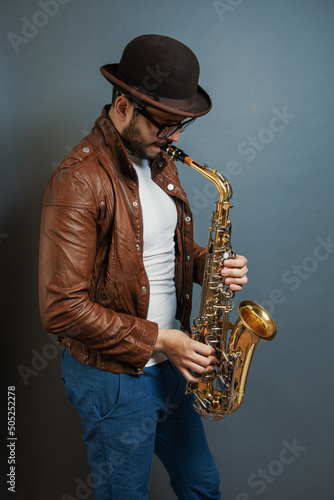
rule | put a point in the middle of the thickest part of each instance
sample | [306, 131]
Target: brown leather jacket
[94, 290]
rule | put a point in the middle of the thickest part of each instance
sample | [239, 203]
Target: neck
[113, 118]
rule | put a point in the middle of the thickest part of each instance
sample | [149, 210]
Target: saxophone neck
[222, 184]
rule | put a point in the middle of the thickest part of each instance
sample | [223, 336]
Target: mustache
[163, 144]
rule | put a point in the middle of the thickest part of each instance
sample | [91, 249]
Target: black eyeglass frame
[170, 128]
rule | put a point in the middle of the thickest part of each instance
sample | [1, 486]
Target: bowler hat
[160, 72]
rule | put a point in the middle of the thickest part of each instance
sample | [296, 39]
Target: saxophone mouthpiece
[174, 153]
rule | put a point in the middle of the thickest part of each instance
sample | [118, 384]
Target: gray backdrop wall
[269, 69]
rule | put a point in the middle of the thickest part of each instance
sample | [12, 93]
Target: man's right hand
[186, 354]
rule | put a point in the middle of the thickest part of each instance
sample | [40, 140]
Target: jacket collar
[108, 143]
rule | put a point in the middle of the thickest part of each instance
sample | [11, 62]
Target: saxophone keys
[222, 401]
[206, 403]
[208, 377]
[211, 338]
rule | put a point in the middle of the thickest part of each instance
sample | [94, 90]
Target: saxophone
[221, 392]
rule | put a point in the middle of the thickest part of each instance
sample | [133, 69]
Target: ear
[123, 109]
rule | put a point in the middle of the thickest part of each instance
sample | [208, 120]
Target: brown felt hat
[160, 72]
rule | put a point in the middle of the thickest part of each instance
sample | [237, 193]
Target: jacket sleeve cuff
[142, 349]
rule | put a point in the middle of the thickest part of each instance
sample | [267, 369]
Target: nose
[175, 136]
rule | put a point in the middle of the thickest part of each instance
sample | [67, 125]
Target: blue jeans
[127, 418]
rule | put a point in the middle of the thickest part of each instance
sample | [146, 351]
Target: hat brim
[199, 105]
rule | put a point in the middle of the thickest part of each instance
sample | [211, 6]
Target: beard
[135, 144]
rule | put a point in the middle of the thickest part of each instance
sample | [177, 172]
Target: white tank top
[159, 222]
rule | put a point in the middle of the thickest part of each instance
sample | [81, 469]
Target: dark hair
[115, 92]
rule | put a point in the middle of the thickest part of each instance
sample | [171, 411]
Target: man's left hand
[234, 272]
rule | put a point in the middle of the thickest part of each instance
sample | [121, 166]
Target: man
[117, 263]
